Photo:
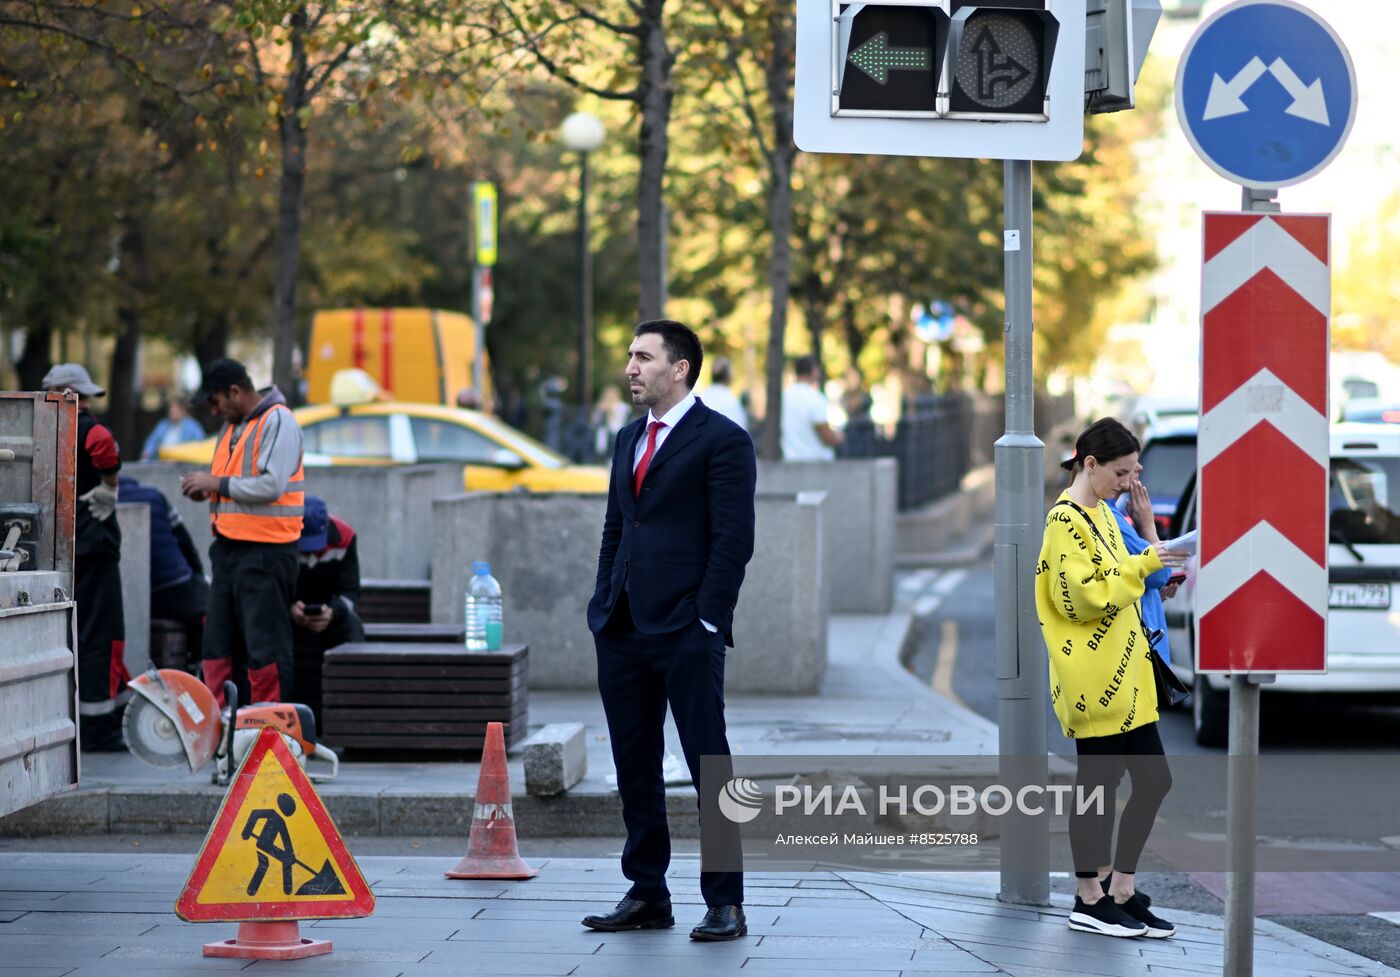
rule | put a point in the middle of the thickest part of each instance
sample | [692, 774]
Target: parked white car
[1363, 558]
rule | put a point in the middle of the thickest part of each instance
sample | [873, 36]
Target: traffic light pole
[1022, 684]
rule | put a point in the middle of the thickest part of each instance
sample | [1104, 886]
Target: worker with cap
[97, 580]
[254, 489]
[328, 588]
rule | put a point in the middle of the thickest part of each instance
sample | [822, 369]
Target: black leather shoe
[721, 923]
[634, 914]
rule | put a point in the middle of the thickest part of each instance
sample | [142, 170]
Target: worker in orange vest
[254, 488]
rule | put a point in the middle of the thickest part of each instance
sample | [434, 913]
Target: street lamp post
[583, 133]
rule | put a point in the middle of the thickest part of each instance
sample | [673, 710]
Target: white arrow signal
[1224, 97]
[1308, 102]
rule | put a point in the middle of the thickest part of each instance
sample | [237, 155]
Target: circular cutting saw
[174, 720]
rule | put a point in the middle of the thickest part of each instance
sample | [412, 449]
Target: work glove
[102, 501]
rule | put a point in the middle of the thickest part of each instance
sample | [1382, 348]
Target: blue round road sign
[1266, 93]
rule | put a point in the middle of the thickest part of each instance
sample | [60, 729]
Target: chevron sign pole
[1261, 591]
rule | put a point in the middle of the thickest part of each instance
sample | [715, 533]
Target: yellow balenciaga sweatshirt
[1101, 679]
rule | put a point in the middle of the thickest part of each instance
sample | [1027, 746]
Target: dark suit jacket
[679, 550]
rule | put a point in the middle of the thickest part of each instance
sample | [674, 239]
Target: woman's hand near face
[1140, 512]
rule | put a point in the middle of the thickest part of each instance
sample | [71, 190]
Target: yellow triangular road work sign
[273, 851]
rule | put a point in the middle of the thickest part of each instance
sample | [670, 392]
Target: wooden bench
[410, 697]
[416, 633]
[395, 601]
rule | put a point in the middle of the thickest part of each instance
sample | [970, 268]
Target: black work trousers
[97, 589]
[638, 675]
[249, 624]
[1102, 762]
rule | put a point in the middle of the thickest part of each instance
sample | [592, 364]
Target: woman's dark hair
[681, 344]
[1105, 439]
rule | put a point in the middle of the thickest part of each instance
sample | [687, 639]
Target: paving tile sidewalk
[110, 916]
[868, 704]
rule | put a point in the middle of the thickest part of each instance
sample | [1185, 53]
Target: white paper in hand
[1185, 543]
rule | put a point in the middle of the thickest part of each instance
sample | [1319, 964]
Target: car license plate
[1359, 595]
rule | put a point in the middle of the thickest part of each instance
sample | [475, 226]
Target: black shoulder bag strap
[1170, 689]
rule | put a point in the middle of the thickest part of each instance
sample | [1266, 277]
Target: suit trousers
[638, 675]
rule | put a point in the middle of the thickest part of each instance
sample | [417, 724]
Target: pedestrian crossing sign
[273, 852]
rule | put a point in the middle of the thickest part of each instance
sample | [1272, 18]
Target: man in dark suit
[677, 536]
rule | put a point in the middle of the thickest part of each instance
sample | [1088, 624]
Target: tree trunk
[289, 200]
[814, 300]
[35, 361]
[121, 388]
[855, 339]
[212, 342]
[779, 83]
[655, 101]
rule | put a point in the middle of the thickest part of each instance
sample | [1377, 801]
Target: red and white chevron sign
[1261, 591]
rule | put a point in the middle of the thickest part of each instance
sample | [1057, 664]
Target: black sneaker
[1104, 917]
[1146, 899]
[1157, 929]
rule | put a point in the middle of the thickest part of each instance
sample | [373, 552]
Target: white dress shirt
[671, 418]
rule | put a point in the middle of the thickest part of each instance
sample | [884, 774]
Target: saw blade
[151, 735]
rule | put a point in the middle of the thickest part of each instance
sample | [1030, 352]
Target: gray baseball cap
[74, 377]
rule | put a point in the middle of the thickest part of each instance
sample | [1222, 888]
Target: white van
[1363, 558]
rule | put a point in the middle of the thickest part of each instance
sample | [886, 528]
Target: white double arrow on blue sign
[1225, 96]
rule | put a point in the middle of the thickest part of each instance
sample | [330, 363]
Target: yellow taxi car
[496, 457]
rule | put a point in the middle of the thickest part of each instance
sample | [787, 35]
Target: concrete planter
[860, 551]
[390, 508]
[544, 550]
[134, 519]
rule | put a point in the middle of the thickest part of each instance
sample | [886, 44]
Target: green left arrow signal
[877, 59]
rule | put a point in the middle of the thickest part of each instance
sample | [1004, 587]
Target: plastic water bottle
[483, 610]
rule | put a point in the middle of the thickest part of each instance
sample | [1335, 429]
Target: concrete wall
[544, 550]
[134, 518]
[863, 494]
[390, 508]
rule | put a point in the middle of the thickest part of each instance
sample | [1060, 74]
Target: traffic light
[1001, 66]
[924, 77]
[1117, 33]
[987, 60]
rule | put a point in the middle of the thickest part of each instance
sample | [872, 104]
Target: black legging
[1102, 760]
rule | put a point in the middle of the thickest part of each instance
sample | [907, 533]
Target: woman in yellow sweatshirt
[1102, 684]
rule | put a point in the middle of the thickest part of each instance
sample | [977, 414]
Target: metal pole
[1240, 825]
[585, 292]
[1020, 495]
[479, 345]
[1241, 791]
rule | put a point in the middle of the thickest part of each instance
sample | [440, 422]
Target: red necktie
[641, 471]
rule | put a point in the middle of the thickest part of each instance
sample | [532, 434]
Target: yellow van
[421, 356]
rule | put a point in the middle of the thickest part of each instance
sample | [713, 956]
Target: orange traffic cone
[268, 940]
[491, 851]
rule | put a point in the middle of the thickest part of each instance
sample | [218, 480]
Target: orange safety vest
[279, 522]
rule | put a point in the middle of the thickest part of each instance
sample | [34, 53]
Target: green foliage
[417, 100]
[1367, 293]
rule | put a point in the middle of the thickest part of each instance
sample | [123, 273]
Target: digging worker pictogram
[274, 841]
